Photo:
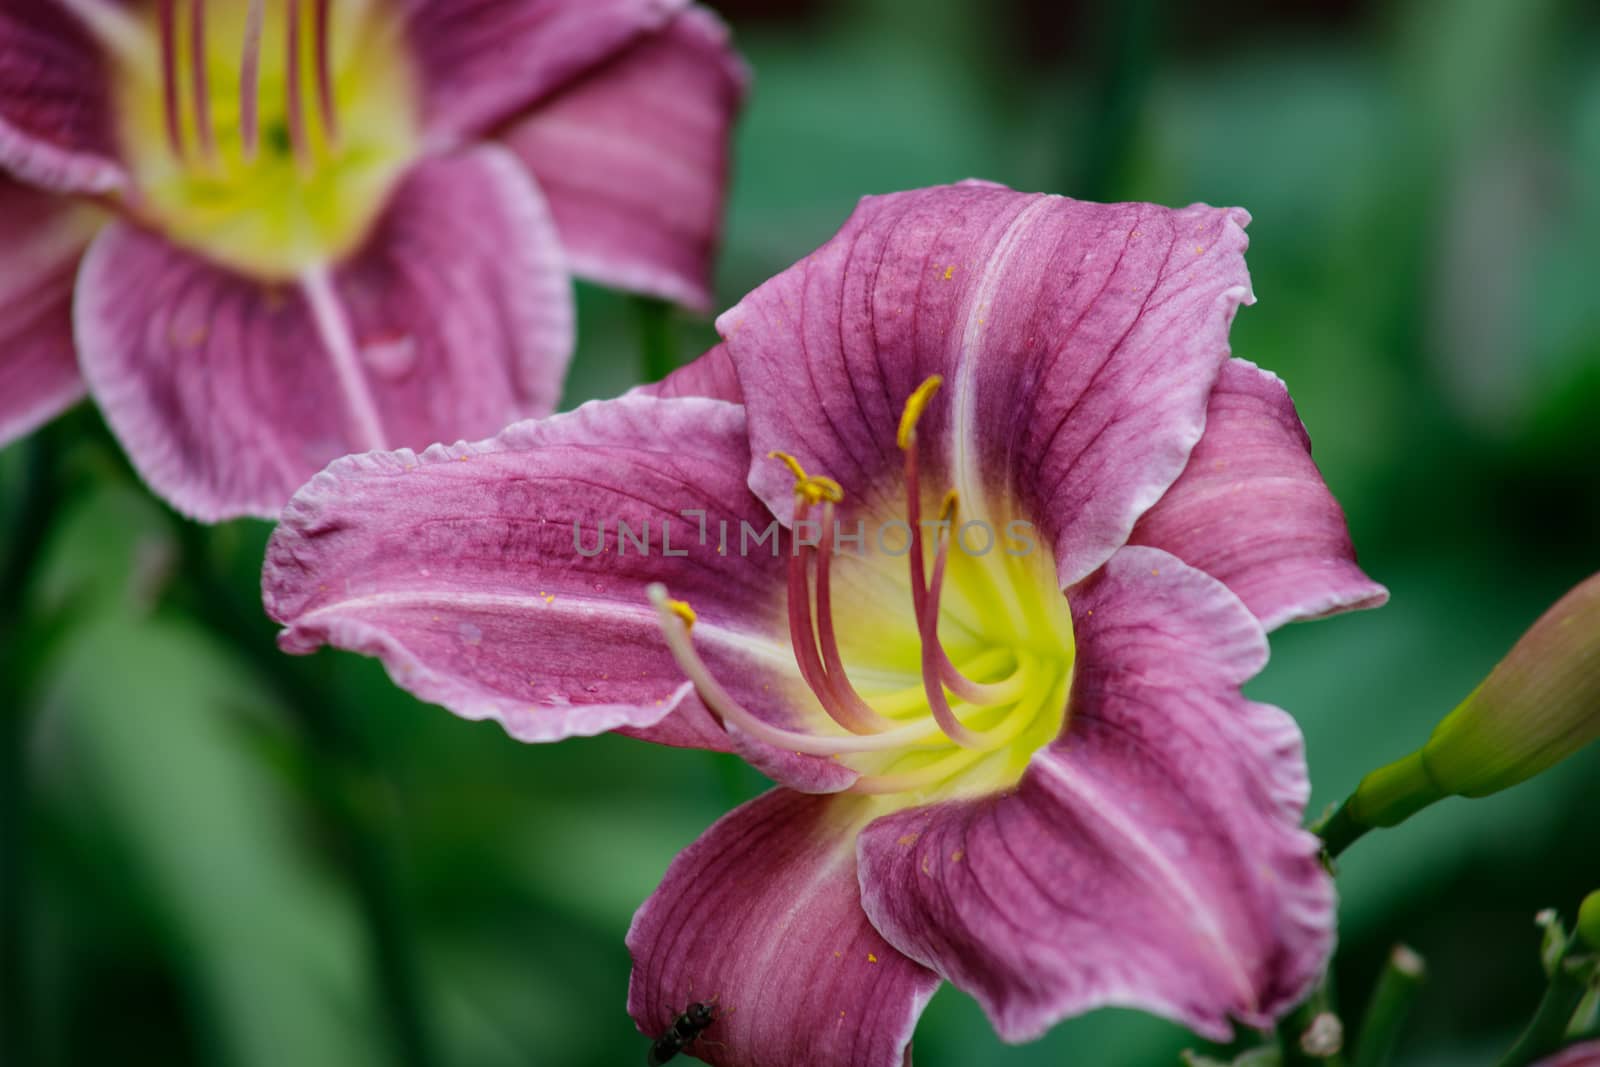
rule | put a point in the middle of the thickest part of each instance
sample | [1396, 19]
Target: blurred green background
[217, 855]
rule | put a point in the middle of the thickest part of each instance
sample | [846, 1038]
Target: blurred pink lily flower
[1029, 527]
[269, 233]
[1586, 1054]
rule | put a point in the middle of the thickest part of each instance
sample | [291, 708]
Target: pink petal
[634, 160]
[762, 918]
[453, 320]
[1252, 509]
[1583, 1055]
[1078, 343]
[482, 65]
[41, 239]
[1150, 858]
[461, 568]
[711, 375]
[55, 112]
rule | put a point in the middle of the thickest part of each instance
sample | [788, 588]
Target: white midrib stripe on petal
[567, 607]
[339, 344]
[964, 399]
[1191, 905]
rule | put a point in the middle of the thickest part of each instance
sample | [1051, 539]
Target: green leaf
[150, 754]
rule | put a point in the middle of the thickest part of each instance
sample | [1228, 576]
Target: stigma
[265, 134]
[958, 726]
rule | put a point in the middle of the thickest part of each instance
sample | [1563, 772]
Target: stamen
[168, 19]
[919, 581]
[866, 720]
[730, 710]
[958, 683]
[197, 62]
[250, 78]
[682, 610]
[1016, 721]
[808, 488]
[803, 639]
[914, 698]
[928, 626]
[295, 105]
[953, 728]
[916, 404]
[832, 689]
[325, 98]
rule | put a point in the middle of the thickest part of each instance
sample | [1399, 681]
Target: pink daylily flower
[273, 232]
[1027, 771]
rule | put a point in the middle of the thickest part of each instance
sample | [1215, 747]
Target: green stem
[1391, 1002]
[342, 777]
[1128, 46]
[1338, 830]
[658, 339]
[35, 508]
[1569, 982]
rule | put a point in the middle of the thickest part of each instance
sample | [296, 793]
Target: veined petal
[1078, 344]
[42, 237]
[55, 114]
[478, 575]
[1150, 858]
[454, 319]
[1251, 508]
[1586, 1054]
[710, 375]
[482, 67]
[761, 918]
[634, 160]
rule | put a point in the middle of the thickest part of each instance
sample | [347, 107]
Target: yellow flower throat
[970, 711]
[266, 134]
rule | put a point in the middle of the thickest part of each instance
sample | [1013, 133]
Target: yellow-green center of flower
[265, 134]
[937, 678]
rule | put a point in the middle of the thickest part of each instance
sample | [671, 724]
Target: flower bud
[1539, 705]
[1589, 921]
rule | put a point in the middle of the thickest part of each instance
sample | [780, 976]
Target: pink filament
[958, 683]
[802, 637]
[724, 706]
[167, 16]
[825, 675]
[297, 118]
[933, 653]
[860, 711]
[201, 97]
[250, 78]
[325, 97]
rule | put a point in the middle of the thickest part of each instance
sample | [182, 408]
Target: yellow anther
[947, 508]
[812, 488]
[915, 406]
[682, 610]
